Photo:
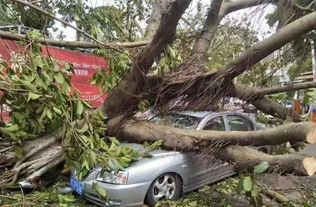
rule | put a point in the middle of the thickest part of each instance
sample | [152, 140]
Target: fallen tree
[191, 85]
[246, 158]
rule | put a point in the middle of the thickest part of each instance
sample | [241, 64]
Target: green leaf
[19, 153]
[39, 82]
[193, 204]
[65, 87]
[49, 114]
[247, 183]
[38, 62]
[240, 186]
[254, 192]
[101, 192]
[12, 128]
[66, 199]
[32, 96]
[261, 168]
[18, 115]
[79, 108]
[59, 78]
[111, 164]
[33, 34]
[27, 84]
[115, 141]
[59, 112]
[83, 129]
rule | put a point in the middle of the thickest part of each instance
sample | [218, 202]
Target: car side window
[216, 123]
[237, 123]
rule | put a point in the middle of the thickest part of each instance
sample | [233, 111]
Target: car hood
[152, 156]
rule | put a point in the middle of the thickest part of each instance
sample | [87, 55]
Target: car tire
[166, 186]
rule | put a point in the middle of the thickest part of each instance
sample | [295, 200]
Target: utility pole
[313, 60]
[312, 109]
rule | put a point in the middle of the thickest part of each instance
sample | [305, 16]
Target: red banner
[85, 65]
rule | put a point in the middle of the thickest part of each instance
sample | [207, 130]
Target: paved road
[309, 149]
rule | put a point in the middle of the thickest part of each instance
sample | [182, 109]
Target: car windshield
[177, 120]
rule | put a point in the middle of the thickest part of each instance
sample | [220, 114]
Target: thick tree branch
[307, 8]
[153, 21]
[231, 6]
[217, 11]
[73, 44]
[182, 139]
[259, 51]
[218, 142]
[164, 35]
[262, 103]
[209, 28]
[126, 95]
[294, 87]
[245, 158]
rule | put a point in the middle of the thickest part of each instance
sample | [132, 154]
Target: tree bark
[210, 26]
[231, 6]
[124, 98]
[253, 96]
[245, 158]
[40, 155]
[217, 11]
[294, 87]
[153, 21]
[225, 145]
[182, 139]
[262, 49]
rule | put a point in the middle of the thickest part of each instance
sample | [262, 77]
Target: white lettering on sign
[81, 72]
[91, 97]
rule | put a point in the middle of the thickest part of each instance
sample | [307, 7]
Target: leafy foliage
[230, 41]
[248, 185]
[16, 14]
[113, 21]
[37, 90]
[119, 65]
[300, 66]
[171, 58]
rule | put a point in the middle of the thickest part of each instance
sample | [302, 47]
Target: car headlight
[114, 177]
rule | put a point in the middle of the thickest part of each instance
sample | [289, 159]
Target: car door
[204, 168]
[235, 122]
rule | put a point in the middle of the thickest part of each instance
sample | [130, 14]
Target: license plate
[76, 185]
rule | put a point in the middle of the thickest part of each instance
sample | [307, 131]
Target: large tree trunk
[125, 97]
[210, 26]
[245, 158]
[218, 143]
[182, 139]
[40, 155]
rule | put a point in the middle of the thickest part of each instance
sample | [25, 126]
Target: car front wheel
[166, 186]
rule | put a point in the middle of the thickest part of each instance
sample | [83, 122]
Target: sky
[254, 16]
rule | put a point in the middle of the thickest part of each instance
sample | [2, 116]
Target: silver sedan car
[166, 174]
